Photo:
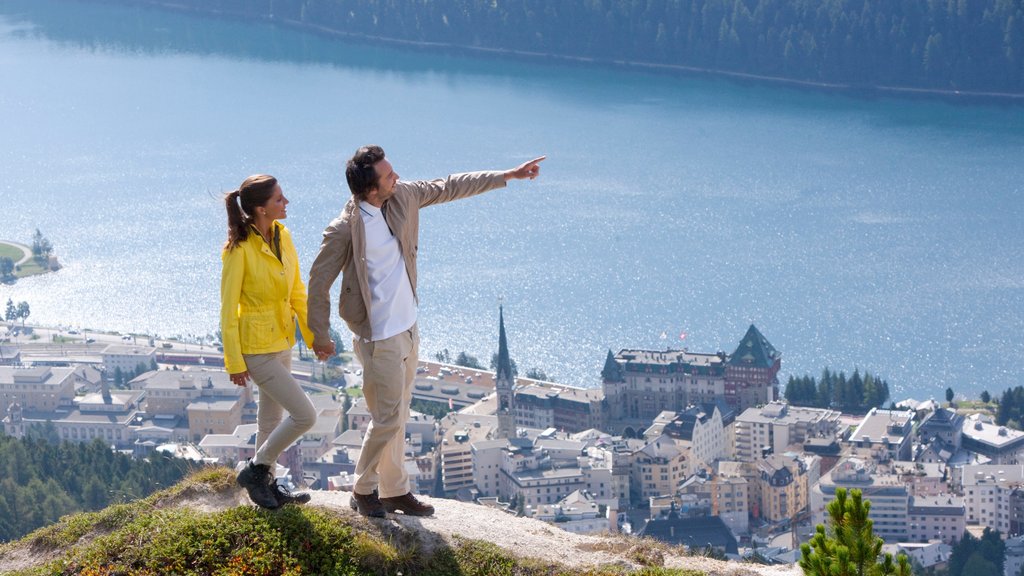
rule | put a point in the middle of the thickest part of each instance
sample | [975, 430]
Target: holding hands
[323, 351]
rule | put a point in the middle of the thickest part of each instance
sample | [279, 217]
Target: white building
[988, 494]
[889, 496]
[578, 513]
[999, 443]
[941, 518]
[888, 433]
[128, 359]
[777, 425]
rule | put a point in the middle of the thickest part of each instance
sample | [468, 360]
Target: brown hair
[254, 192]
[360, 172]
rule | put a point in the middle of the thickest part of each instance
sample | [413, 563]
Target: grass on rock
[155, 536]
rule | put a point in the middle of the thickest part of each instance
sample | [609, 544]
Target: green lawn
[29, 268]
[9, 251]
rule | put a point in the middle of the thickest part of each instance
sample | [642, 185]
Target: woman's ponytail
[238, 229]
[254, 192]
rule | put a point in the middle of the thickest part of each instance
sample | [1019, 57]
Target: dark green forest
[857, 393]
[1010, 411]
[41, 480]
[949, 45]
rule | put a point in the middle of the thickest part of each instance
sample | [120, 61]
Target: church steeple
[504, 382]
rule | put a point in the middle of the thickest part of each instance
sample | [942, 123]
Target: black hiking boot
[286, 496]
[367, 505]
[255, 478]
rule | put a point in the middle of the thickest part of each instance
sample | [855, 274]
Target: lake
[877, 233]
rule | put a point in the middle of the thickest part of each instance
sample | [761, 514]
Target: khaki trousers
[389, 367]
[278, 392]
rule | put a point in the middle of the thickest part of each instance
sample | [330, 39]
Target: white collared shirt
[392, 306]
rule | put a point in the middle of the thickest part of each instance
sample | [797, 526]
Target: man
[373, 244]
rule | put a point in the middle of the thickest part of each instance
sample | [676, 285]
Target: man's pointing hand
[525, 170]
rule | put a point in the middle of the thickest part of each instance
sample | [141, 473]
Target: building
[889, 496]
[703, 428]
[170, 392]
[213, 416]
[944, 424]
[640, 384]
[486, 461]
[460, 432]
[578, 513]
[729, 501]
[565, 408]
[37, 388]
[782, 488]
[940, 518]
[658, 468]
[991, 493]
[10, 355]
[889, 434]
[124, 359]
[1014, 556]
[776, 426]
[541, 471]
[751, 374]
[694, 533]
[110, 417]
[1001, 444]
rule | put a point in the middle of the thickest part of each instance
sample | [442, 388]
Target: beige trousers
[389, 367]
[278, 392]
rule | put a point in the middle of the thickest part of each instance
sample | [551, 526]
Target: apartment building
[658, 468]
[941, 517]
[887, 433]
[459, 433]
[781, 485]
[774, 427]
[729, 501]
[889, 496]
[534, 476]
[990, 492]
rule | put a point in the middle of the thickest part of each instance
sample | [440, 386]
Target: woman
[262, 295]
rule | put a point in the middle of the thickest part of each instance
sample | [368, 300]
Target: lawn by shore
[24, 264]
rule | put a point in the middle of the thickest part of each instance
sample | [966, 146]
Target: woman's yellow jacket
[261, 297]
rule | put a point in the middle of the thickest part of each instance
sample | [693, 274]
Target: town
[692, 448]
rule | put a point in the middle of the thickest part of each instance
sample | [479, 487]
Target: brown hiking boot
[407, 504]
[368, 505]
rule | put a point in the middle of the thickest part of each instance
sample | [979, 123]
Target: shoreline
[26, 265]
[863, 90]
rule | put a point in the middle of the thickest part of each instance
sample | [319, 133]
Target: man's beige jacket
[343, 249]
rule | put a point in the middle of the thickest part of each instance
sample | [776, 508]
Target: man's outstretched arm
[469, 184]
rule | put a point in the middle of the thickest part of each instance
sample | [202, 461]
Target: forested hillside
[41, 480]
[951, 45]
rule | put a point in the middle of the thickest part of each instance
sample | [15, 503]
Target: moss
[153, 536]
